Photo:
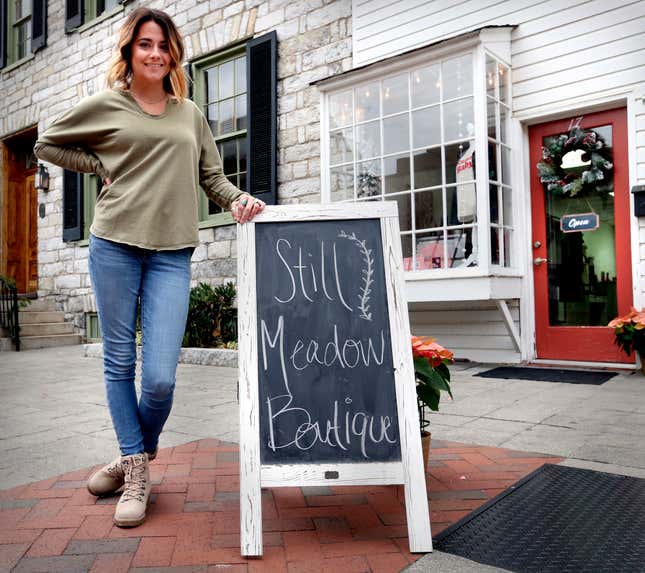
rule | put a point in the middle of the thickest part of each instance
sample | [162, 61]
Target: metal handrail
[9, 309]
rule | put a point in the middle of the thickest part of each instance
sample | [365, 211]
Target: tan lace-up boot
[110, 478]
[131, 509]
[107, 480]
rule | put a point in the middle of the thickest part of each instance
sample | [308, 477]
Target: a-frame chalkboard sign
[327, 391]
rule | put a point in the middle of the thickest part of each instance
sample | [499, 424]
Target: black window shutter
[38, 24]
[188, 70]
[3, 33]
[262, 116]
[72, 205]
[74, 10]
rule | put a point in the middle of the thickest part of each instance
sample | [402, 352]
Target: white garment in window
[466, 192]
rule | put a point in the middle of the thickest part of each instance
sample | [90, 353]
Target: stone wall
[314, 41]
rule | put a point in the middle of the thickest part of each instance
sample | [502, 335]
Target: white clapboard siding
[597, 16]
[474, 331]
[588, 43]
[562, 52]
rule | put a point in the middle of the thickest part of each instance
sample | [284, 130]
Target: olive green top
[155, 162]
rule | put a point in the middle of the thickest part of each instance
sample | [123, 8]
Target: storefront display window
[410, 137]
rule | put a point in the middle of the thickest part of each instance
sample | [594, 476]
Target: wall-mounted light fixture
[42, 178]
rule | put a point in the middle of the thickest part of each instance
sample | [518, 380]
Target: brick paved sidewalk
[193, 520]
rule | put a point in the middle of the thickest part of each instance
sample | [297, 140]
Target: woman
[151, 147]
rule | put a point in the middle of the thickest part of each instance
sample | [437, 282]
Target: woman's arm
[70, 158]
[67, 142]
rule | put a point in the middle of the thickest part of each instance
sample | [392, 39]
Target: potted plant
[629, 333]
[431, 362]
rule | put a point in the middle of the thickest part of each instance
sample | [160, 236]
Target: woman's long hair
[120, 70]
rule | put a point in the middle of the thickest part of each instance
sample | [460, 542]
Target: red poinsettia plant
[629, 331]
[431, 362]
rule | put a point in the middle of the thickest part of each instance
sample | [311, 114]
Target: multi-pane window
[409, 137]
[499, 162]
[19, 40]
[94, 8]
[223, 99]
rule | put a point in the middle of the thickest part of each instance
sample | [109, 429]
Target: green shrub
[212, 320]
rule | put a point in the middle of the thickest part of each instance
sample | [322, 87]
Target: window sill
[82, 243]
[106, 16]
[17, 64]
[462, 288]
[219, 220]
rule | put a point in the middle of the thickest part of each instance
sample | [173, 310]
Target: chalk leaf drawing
[367, 274]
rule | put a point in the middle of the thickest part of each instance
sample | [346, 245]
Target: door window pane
[582, 265]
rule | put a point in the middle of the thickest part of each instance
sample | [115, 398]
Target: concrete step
[46, 328]
[33, 342]
[39, 305]
[40, 316]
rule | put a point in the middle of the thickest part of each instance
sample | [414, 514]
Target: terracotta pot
[425, 448]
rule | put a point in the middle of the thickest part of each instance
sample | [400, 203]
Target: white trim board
[409, 470]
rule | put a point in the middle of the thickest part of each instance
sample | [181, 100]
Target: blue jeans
[122, 278]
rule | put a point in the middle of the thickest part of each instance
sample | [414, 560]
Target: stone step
[46, 328]
[39, 305]
[5, 344]
[33, 342]
[40, 316]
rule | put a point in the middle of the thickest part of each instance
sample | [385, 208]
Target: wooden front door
[21, 222]
[582, 279]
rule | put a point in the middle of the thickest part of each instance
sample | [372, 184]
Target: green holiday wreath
[592, 178]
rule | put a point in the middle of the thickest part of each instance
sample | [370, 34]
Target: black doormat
[557, 519]
[549, 375]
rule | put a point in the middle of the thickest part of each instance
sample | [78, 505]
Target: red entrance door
[582, 279]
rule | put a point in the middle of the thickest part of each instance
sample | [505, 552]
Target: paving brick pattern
[193, 519]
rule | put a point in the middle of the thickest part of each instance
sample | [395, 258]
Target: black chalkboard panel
[326, 380]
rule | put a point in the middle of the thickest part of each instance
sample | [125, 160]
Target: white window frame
[486, 281]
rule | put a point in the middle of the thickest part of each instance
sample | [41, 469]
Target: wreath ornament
[588, 179]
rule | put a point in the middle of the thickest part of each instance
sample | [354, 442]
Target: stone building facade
[314, 41]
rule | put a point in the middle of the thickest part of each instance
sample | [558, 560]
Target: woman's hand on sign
[245, 207]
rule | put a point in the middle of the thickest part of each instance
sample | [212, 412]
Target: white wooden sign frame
[409, 471]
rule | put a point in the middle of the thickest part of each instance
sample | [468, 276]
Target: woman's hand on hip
[245, 207]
